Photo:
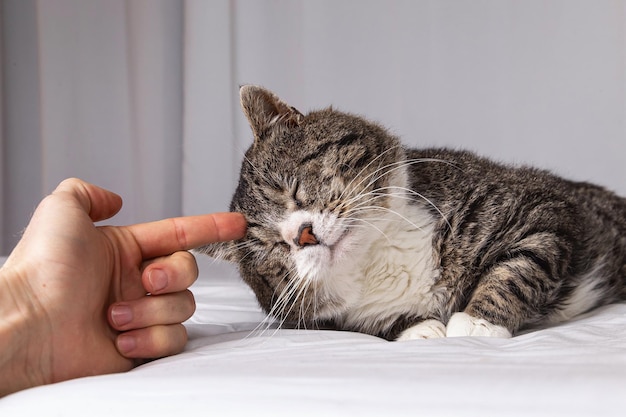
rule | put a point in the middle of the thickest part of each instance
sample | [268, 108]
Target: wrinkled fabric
[573, 369]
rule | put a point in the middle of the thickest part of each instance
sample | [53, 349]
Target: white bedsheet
[574, 369]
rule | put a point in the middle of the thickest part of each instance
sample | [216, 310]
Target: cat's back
[449, 175]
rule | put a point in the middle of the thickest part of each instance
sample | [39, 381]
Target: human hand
[84, 300]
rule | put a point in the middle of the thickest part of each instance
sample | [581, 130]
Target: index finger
[183, 233]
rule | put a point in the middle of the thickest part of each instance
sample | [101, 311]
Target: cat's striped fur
[347, 227]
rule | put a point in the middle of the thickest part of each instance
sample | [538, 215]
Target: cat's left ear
[264, 109]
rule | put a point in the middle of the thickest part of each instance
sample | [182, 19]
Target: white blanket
[574, 369]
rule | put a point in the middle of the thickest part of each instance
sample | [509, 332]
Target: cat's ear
[264, 109]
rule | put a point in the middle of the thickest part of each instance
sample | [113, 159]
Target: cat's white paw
[462, 324]
[427, 329]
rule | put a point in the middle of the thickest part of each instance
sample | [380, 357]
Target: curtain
[141, 96]
[211, 154]
[91, 89]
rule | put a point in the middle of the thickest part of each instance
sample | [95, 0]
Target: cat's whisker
[314, 302]
[350, 184]
[376, 174]
[370, 224]
[362, 194]
[406, 195]
[288, 298]
[306, 284]
[373, 177]
[394, 166]
[284, 298]
[244, 245]
[422, 197]
[394, 212]
[304, 287]
[370, 201]
[304, 309]
[275, 314]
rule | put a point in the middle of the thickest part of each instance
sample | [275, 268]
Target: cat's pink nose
[305, 236]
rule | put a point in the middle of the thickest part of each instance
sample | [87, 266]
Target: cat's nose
[305, 236]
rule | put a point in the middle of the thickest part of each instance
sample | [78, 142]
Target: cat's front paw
[462, 324]
[427, 329]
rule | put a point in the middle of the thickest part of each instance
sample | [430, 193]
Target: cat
[350, 229]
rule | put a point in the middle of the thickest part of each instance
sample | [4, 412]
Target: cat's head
[313, 189]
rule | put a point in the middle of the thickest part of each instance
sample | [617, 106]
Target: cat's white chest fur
[395, 275]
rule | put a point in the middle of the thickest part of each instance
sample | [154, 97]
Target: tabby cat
[348, 228]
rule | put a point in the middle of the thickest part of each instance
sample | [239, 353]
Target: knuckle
[180, 234]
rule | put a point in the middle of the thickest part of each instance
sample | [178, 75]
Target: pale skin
[78, 299]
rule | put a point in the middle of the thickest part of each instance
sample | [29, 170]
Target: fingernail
[126, 343]
[158, 280]
[121, 315]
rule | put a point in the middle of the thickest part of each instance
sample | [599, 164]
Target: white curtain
[140, 96]
[92, 89]
[211, 153]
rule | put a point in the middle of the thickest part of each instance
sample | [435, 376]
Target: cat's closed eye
[295, 196]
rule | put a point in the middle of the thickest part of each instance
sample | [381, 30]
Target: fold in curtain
[91, 89]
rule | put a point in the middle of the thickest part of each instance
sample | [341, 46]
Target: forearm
[18, 333]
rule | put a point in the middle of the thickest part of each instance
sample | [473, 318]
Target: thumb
[99, 203]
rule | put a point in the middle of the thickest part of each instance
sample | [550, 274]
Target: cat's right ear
[264, 109]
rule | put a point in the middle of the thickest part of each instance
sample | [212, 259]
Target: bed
[574, 369]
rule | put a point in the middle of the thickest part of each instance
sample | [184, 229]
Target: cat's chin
[315, 263]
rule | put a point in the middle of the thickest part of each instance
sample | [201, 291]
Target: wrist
[22, 359]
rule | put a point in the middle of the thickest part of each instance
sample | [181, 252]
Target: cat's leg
[512, 294]
[426, 329]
